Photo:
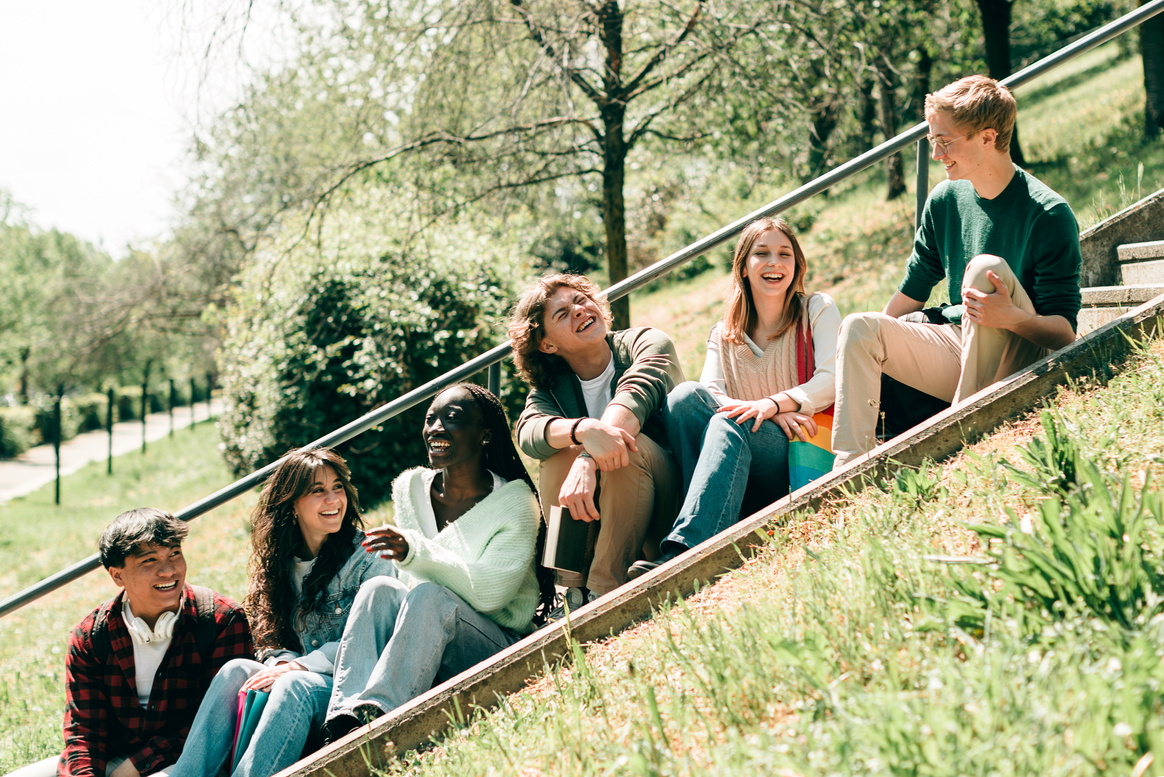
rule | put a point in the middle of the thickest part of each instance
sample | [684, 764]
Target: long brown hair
[740, 314]
[270, 601]
[527, 326]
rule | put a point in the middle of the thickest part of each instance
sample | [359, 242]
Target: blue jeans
[722, 462]
[294, 709]
[398, 641]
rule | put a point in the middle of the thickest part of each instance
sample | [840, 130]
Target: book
[250, 711]
[567, 541]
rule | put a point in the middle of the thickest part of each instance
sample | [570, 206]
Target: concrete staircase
[1111, 256]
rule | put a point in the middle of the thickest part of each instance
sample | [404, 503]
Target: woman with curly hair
[591, 417]
[307, 565]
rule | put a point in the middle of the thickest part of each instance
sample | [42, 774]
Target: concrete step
[1102, 304]
[1141, 263]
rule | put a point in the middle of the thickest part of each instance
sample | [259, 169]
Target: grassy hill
[819, 656]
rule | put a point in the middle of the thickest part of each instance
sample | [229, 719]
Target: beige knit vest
[747, 376]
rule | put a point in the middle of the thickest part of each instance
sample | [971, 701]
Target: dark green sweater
[1028, 225]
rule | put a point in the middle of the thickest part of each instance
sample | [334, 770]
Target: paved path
[35, 467]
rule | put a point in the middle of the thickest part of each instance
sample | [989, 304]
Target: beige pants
[636, 506]
[947, 361]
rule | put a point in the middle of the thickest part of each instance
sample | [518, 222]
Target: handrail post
[923, 180]
[495, 378]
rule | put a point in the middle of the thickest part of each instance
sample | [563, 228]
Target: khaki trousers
[637, 505]
[946, 361]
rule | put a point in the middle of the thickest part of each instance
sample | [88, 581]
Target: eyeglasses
[941, 145]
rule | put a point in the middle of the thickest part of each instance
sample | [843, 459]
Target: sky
[94, 114]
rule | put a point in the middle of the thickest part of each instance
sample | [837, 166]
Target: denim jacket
[320, 631]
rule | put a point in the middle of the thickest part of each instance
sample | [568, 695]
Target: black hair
[501, 456]
[135, 528]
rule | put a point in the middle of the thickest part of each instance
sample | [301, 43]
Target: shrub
[43, 406]
[309, 349]
[18, 430]
[91, 409]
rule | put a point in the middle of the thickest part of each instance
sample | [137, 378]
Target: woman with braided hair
[465, 535]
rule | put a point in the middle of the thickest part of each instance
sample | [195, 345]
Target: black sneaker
[640, 568]
[345, 723]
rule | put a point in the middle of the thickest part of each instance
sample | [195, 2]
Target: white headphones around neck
[163, 629]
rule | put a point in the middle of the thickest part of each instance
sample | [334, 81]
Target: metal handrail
[495, 355]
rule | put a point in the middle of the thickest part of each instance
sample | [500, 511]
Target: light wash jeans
[398, 641]
[721, 462]
[294, 708]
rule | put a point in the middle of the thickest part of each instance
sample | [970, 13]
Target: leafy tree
[497, 95]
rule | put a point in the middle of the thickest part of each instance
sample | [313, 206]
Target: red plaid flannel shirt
[103, 718]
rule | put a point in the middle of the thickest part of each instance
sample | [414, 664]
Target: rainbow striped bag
[807, 461]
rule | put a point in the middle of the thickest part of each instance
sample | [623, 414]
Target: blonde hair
[740, 314]
[976, 103]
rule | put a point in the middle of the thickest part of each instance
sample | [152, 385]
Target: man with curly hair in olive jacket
[591, 419]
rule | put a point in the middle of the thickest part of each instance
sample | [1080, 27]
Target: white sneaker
[574, 598]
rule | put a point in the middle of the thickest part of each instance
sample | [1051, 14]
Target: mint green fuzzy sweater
[486, 556]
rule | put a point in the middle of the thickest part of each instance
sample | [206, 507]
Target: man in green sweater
[1008, 248]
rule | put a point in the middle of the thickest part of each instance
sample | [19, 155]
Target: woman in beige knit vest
[729, 432]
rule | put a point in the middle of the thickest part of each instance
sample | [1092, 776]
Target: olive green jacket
[645, 369]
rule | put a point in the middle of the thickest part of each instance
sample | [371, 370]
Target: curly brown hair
[527, 325]
[270, 602]
[740, 314]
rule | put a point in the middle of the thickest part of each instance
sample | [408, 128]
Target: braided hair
[500, 456]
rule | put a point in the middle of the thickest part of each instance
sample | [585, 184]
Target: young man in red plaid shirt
[138, 665]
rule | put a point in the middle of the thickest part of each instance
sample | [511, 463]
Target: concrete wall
[1137, 223]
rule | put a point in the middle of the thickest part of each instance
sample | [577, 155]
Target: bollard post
[173, 396]
[193, 404]
[209, 393]
[145, 407]
[109, 399]
[57, 440]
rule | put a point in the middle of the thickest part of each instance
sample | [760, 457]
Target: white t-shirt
[147, 658]
[597, 391]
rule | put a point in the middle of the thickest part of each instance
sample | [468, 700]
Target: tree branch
[629, 91]
[554, 55]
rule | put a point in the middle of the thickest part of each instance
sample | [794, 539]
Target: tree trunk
[824, 120]
[614, 150]
[1152, 51]
[867, 110]
[887, 110]
[25, 353]
[614, 206]
[996, 39]
[921, 83]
